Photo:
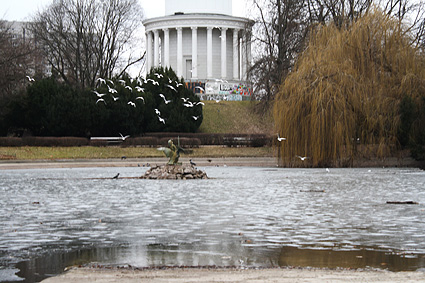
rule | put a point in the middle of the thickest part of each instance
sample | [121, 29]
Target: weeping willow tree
[342, 98]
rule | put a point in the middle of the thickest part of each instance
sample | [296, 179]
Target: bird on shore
[124, 137]
[192, 163]
[303, 158]
[279, 138]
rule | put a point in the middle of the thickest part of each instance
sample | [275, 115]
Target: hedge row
[150, 140]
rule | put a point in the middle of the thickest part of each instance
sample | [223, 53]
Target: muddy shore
[233, 275]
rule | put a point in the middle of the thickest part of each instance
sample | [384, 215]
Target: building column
[155, 48]
[194, 52]
[235, 54]
[148, 51]
[179, 52]
[244, 57]
[223, 54]
[209, 52]
[166, 47]
[241, 59]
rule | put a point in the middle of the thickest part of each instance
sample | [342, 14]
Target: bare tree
[279, 35]
[87, 39]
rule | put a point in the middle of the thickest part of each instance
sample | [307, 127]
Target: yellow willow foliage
[344, 92]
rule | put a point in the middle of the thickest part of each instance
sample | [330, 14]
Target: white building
[203, 43]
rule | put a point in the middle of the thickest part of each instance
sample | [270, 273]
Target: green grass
[90, 152]
[234, 117]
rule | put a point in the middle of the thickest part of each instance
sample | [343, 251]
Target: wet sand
[233, 275]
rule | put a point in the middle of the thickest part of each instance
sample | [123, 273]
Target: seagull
[158, 75]
[178, 84]
[129, 88]
[102, 81]
[99, 94]
[279, 138]
[165, 100]
[302, 158]
[200, 88]
[185, 99]
[121, 82]
[189, 104]
[157, 112]
[124, 137]
[141, 97]
[112, 90]
[100, 100]
[115, 98]
[200, 102]
[196, 117]
[30, 79]
[170, 86]
[111, 82]
[139, 89]
[327, 170]
[153, 81]
[192, 163]
[132, 104]
[161, 120]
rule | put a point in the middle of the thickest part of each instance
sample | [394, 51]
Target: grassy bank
[234, 117]
[90, 152]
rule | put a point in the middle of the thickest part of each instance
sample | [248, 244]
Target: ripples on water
[241, 216]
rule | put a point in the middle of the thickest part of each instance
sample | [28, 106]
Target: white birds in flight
[111, 90]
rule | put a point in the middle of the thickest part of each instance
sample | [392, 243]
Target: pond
[241, 216]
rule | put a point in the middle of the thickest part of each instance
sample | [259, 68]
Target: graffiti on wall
[221, 90]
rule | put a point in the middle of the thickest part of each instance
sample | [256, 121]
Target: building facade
[205, 45]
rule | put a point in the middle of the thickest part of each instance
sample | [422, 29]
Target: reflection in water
[241, 216]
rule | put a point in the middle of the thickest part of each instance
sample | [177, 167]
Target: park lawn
[91, 152]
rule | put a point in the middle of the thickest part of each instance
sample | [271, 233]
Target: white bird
[302, 157]
[132, 103]
[161, 120]
[153, 81]
[111, 82]
[327, 170]
[139, 89]
[170, 80]
[165, 100]
[100, 100]
[121, 82]
[178, 84]
[99, 94]
[189, 104]
[129, 88]
[279, 138]
[185, 99]
[158, 75]
[124, 137]
[115, 98]
[157, 112]
[200, 103]
[30, 79]
[141, 97]
[196, 117]
[112, 90]
[102, 81]
[200, 88]
[170, 86]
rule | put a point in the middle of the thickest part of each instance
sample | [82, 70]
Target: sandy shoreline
[233, 275]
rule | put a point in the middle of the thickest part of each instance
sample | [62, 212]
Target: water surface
[242, 216]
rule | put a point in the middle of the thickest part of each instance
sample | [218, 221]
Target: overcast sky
[21, 10]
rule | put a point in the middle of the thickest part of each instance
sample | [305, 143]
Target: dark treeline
[119, 105]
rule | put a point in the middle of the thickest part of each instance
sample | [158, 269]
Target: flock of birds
[173, 85]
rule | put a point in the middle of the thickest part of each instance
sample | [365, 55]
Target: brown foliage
[346, 89]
